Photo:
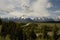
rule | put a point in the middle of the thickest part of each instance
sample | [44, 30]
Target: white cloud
[49, 5]
[38, 8]
[57, 11]
[58, 17]
[15, 13]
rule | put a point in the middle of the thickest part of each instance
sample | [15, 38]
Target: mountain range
[35, 19]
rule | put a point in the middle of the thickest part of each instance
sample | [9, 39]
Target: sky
[30, 8]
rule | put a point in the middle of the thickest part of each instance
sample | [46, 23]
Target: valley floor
[29, 31]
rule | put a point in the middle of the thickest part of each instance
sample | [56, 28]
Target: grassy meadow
[29, 31]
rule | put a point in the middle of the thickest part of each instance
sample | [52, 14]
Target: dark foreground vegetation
[29, 31]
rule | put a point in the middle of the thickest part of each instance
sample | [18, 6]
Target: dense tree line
[16, 31]
[19, 31]
[0, 21]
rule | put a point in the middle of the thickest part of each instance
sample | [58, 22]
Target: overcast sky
[30, 8]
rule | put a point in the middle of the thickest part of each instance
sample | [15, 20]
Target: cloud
[37, 8]
[57, 11]
[49, 5]
[58, 17]
[16, 13]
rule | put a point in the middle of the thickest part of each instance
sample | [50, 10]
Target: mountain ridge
[35, 19]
